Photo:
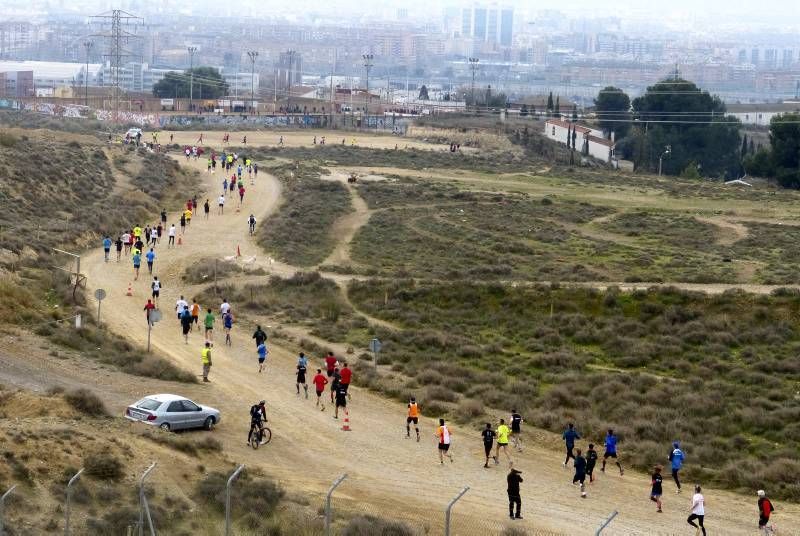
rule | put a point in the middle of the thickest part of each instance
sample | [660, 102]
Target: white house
[761, 114]
[588, 140]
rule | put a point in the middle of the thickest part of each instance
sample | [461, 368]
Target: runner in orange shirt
[413, 416]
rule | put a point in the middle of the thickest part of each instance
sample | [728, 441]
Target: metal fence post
[606, 522]
[143, 506]
[3, 509]
[69, 500]
[450, 507]
[328, 512]
[228, 499]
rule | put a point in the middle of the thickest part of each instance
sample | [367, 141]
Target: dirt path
[345, 228]
[728, 232]
[388, 475]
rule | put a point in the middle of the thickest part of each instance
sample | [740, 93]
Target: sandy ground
[292, 138]
[388, 474]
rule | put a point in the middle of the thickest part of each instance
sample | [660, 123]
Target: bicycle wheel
[267, 436]
[254, 440]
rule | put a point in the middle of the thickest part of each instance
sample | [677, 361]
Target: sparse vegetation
[86, 402]
[103, 465]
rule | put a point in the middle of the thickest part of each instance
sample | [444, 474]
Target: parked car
[172, 412]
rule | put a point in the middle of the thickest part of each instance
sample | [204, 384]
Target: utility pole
[333, 71]
[88, 45]
[117, 38]
[367, 66]
[191, 50]
[252, 54]
[290, 54]
[473, 65]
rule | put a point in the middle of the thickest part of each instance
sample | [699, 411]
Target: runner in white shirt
[698, 512]
[225, 307]
[180, 305]
[221, 203]
[154, 236]
[126, 242]
[171, 234]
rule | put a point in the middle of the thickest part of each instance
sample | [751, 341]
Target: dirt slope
[388, 475]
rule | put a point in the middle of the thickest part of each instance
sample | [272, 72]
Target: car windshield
[148, 404]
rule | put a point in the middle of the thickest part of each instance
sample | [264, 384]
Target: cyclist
[258, 416]
[251, 222]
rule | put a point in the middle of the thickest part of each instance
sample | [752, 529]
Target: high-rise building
[290, 69]
[489, 24]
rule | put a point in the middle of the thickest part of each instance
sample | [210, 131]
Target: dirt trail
[345, 228]
[389, 475]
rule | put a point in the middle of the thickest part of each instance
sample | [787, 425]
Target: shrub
[251, 493]
[374, 526]
[468, 410]
[103, 466]
[86, 402]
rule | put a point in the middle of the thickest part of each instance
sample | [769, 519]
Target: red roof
[565, 124]
[601, 141]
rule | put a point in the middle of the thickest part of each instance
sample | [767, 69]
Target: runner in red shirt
[149, 306]
[330, 363]
[346, 375]
[319, 382]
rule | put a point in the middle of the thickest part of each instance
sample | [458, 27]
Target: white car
[133, 133]
[172, 412]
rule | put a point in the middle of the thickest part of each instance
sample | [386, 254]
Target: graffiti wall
[281, 121]
[138, 118]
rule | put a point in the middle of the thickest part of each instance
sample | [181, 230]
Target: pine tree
[752, 149]
[744, 145]
[574, 112]
[558, 107]
[550, 102]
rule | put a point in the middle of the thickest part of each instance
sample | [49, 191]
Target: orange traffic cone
[346, 425]
[130, 290]
[180, 241]
[238, 251]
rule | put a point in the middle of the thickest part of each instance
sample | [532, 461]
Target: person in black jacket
[260, 336]
[514, 497]
[591, 460]
[580, 472]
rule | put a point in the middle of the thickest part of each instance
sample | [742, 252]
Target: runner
[195, 314]
[241, 194]
[259, 335]
[336, 382]
[180, 304]
[611, 452]
[150, 257]
[186, 323]
[302, 366]
[330, 363]
[346, 376]
[221, 204]
[513, 481]
[183, 223]
[149, 306]
[319, 382]
[154, 234]
[656, 491]
[227, 323]
[262, 351]
[146, 235]
[224, 307]
[503, 432]
[208, 323]
[412, 417]
[171, 235]
[341, 402]
[126, 241]
[591, 461]
[155, 286]
[188, 214]
[676, 458]
[444, 437]
[488, 440]
[516, 430]
[163, 216]
[206, 208]
[255, 171]
[251, 223]
[580, 472]
[225, 185]
[206, 357]
[569, 436]
[159, 231]
[106, 247]
[137, 233]
[698, 511]
[137, 261]
[119, 245]
[765, 510]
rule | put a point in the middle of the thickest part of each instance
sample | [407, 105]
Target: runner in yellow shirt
[503, 432]
[137, 233]
[188, 214]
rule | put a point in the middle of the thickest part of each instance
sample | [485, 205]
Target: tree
[744, 145]
[558, 106]
[574, 112]
[613, 106]
[550, 103]
[782, 160]
[208, 84]
[423, 93]
[709, 138]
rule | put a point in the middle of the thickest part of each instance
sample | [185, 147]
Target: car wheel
[209, 423]
[164, 426]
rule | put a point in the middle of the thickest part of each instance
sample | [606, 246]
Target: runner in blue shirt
[569, 436]
[137, 262]
[150, 256]
[106, 246]
[611, 451]
[676, 457]
[262, 355]
[227, 323]
[302, 367]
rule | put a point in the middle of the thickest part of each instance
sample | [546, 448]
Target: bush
[86, 402]
[374, 526]
[468, 410]
[103, 466]
[250, 494]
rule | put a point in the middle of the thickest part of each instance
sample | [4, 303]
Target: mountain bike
[262, 436]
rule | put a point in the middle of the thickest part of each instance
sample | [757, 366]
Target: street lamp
[88, 45]
[667, 152]
[473, 65]
[252, 54]
[191, 50]
[367, 66]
